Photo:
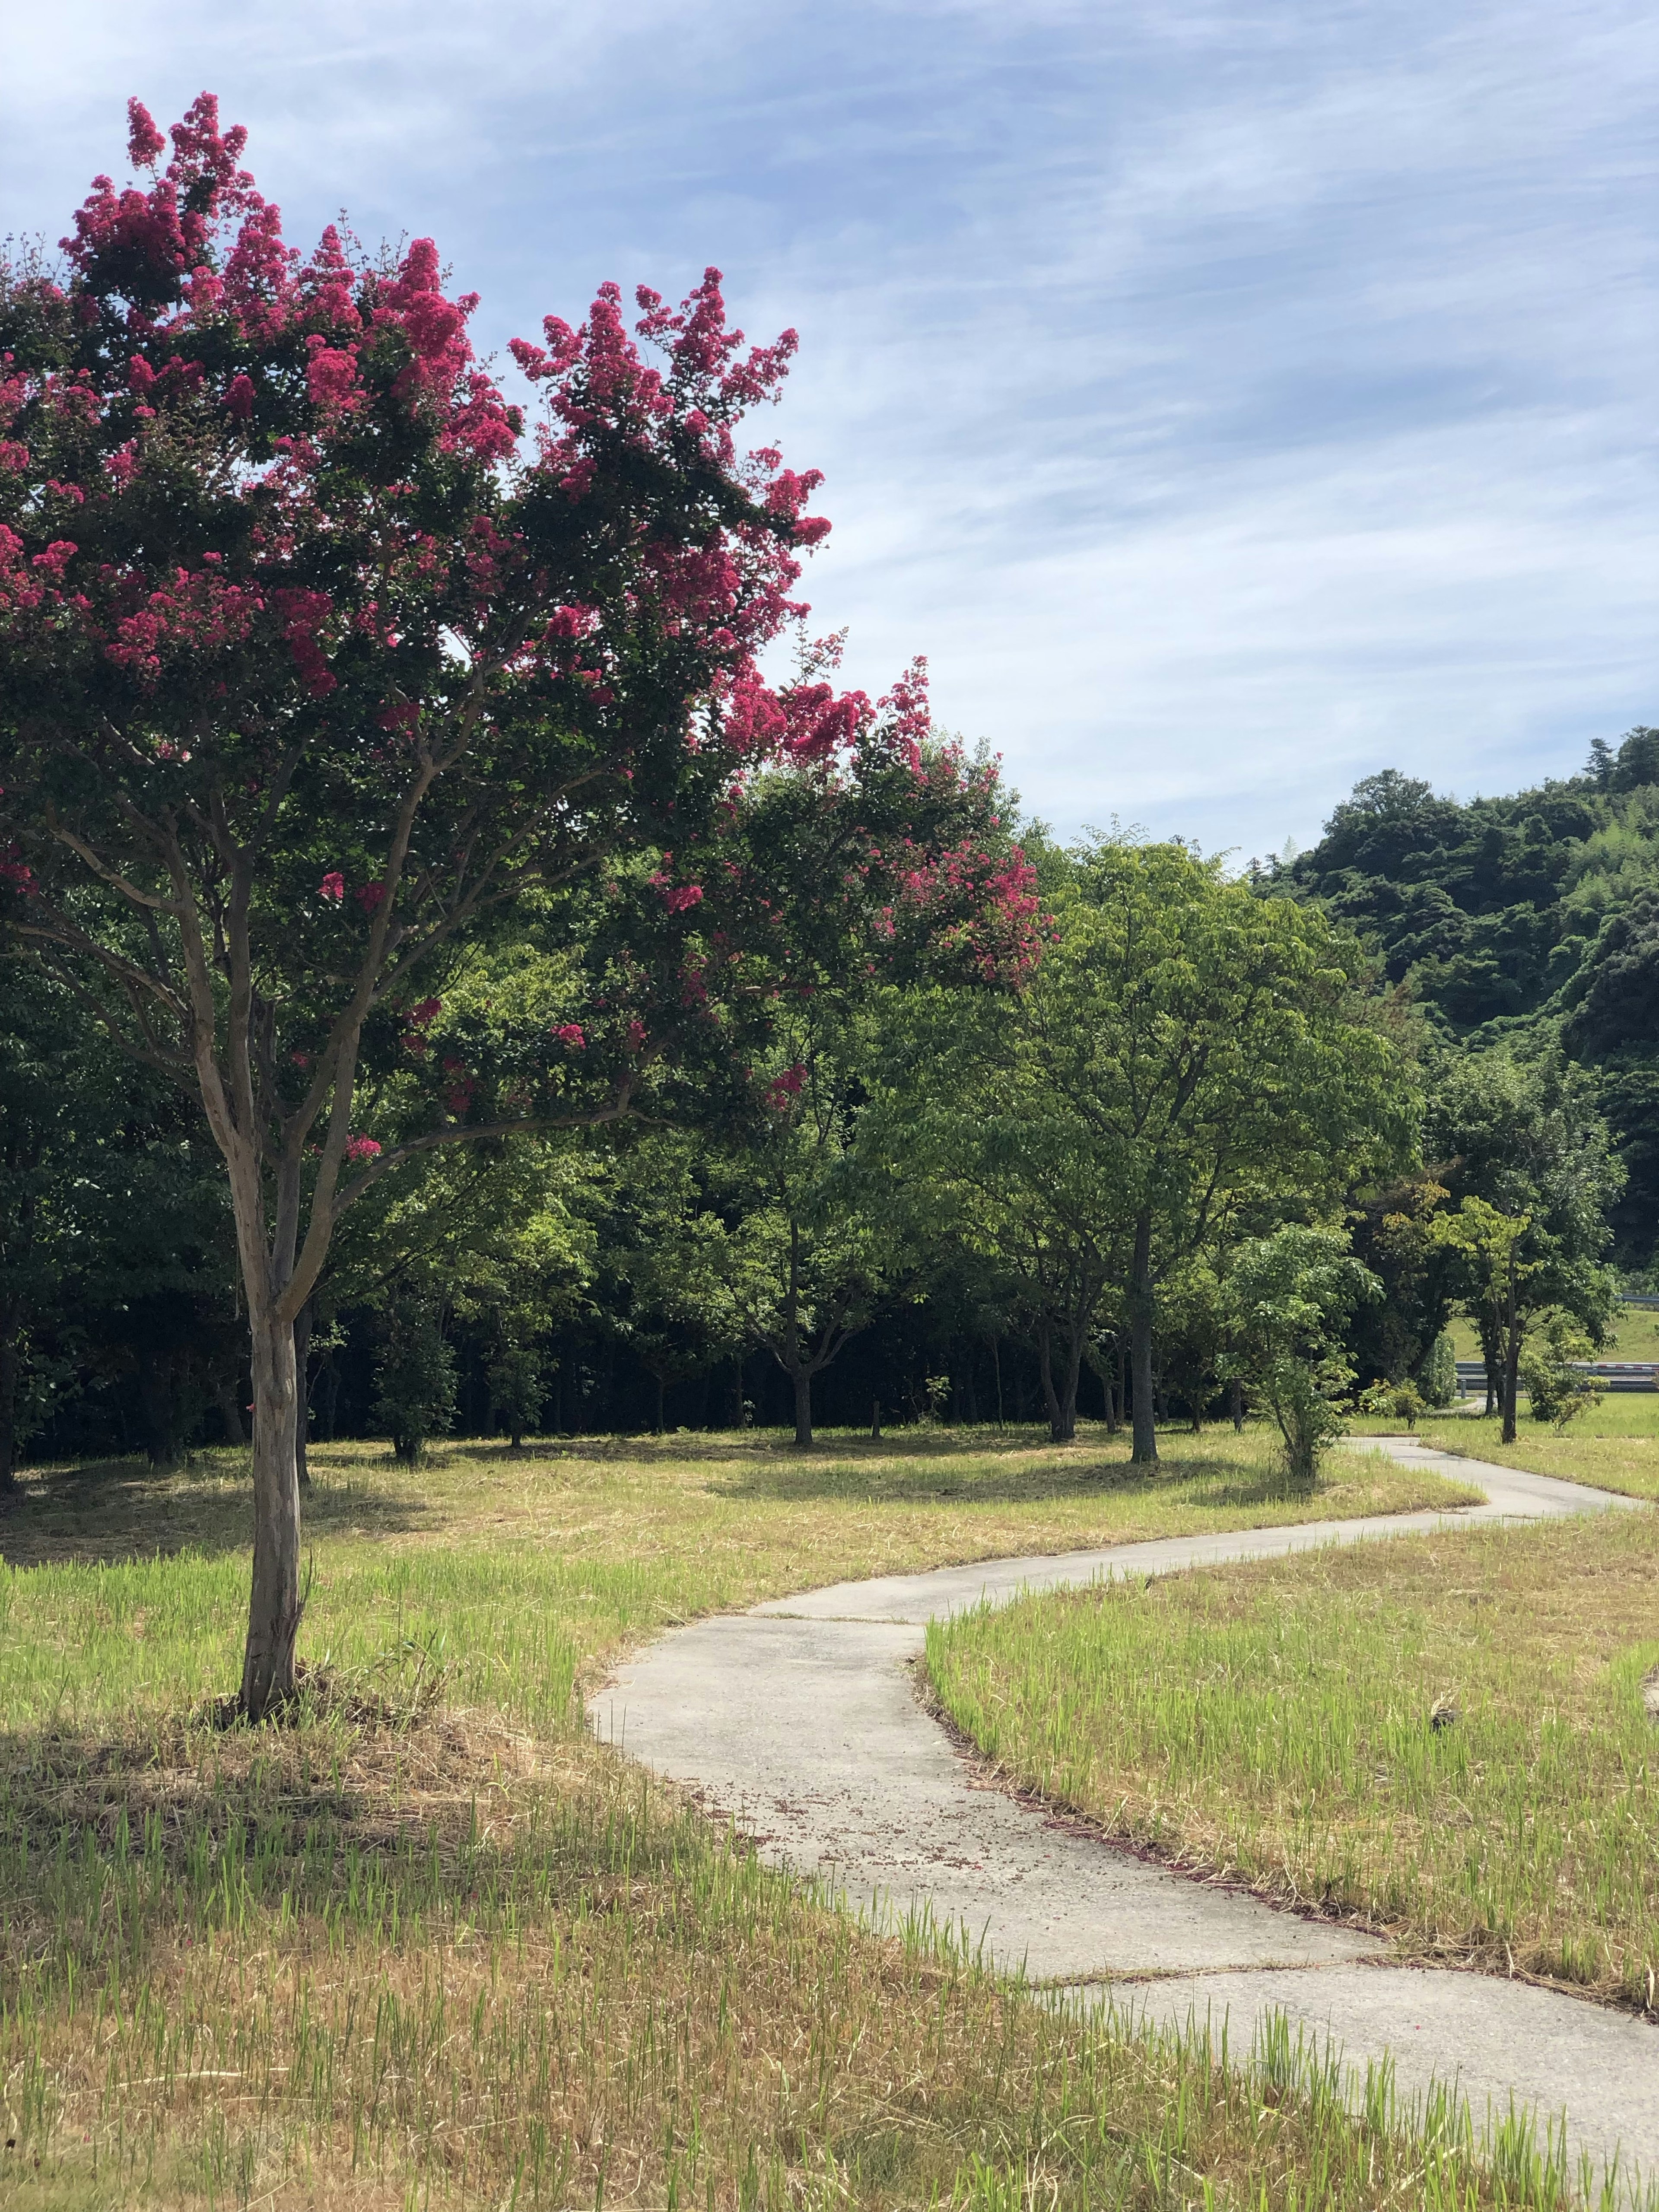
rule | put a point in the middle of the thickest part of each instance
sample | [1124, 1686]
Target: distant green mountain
[1516, 914]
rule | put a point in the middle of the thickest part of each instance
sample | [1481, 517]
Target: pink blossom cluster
[209, 308]
[784, 1088]
[198, 612]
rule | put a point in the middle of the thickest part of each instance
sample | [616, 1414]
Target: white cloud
[1230, 399]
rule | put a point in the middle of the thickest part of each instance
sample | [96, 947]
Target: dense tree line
[1057, 1190]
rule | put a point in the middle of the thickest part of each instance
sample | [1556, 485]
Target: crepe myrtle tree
[325, 664]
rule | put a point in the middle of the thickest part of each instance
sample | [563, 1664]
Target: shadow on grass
[751, 1447]
[106, 1511]
[1204, 1483]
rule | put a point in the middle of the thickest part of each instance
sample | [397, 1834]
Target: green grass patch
[429, 1945]
[1278, 1723]
[1635, 1335]
[123, 1589]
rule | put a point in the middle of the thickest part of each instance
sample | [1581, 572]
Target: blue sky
[1230, 399]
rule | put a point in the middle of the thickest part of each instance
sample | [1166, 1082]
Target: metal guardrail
[1611, 1373]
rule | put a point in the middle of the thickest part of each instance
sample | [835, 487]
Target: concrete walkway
[799, 1721]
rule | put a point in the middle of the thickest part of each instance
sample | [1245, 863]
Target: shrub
[1404, 1400]
[1439, 1376]
[1556, 1391]
[415, 1382]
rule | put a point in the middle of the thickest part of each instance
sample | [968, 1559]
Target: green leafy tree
[1192, 1337]
[817, 1239]
[1530, 1162]
[1440, 1372]
[1393, 1335]
[414, 1379]
[1187, 1058]
[1288, 1297]
[116, 1260]
[1552, 1370]
[665, 1263]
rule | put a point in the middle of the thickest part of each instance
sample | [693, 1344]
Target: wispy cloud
[1230, 399]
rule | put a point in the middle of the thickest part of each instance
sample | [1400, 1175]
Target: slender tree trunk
[1236, 1396]
[1058, 1432]
[802, 1379]
[274, 1609]
[875, 1422]
[1491, 1355]
[302, 1393]
[11, 1363]
[658, 1379]
[1141, 1300]
[230, 1412]
[1070, 1383]
[996, 1368]
[1511, 1356]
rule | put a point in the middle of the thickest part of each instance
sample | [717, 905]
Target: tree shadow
[1082, 1473]
[765, 1447]
[105, 1512]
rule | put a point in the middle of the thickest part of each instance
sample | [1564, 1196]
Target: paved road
[799, 1721]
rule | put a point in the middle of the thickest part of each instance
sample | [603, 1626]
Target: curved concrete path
[798, 1721]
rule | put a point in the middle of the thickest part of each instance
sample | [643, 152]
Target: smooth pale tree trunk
[803, 1382]
[275, 1605]
[1145, 1450]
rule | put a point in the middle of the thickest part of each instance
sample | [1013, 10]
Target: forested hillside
[1531, 916]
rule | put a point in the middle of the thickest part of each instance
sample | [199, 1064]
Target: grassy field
[522, 1573]
[1612, 1446]
[428, 1945]
[1277, 1722]
[1635, 1335]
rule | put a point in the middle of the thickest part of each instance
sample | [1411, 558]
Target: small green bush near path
[1445, 1735]
[429, 1945]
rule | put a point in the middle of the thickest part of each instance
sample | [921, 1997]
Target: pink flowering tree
[327, 664]
[857, 879]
